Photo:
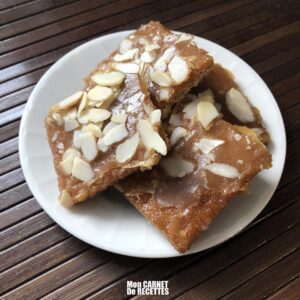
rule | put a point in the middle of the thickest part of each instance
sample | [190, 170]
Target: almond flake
[83, 103]
[207, 145]
[175, 120]
[183, 38]
[151, 138]
[206, 96]
[206, 113]
[82, 170]
[162, 79]
[98, 114]
[76, 138]
[116, 134]
[84, 118]
[67, 164]
[127, 67]
[148, 57]
[178, 69]
[100, 93]
[125, 46]
[65, 199]
[176, 167]
[71, 152]
[155, 116]
[190, 110]
[239, 106]
[177, 134]
[71, 114]
[108, 79]
[88, 145]
[163, 60]
[70, 101]
[126, 150]
[223, 170]
[70, 125]
[128, 55]
[109, 126]
[164, 94]
[119, 118]
[58, 119]
[143, 69]
[94, 129]
[151, 47]
[101, 146]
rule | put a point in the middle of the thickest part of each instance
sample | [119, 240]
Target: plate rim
[119, 250]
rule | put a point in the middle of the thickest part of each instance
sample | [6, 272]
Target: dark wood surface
[39, 259]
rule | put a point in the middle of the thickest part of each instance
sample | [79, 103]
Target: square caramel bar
[210, 161]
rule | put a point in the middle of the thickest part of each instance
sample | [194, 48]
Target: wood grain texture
[38, 259]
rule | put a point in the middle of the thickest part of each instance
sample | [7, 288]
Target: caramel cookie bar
[210, 161]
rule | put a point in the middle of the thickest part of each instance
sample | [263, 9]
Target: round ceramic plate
[108, 221]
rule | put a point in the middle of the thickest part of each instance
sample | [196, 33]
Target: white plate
[109, 221]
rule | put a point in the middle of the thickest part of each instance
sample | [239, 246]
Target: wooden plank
[10, 179]
[30, 247]
[5, 4]
[65, 272]
[286, 85]
[9, 163]
[9, 131]
[291, 291]
[24, 229]
[12, 114]
[269, 280]
[9, 147]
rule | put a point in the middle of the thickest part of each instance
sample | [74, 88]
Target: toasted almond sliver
[177, 134]
[83, 103]
[71, 114]
[100, 93]
[183, 38]
[88, 145]
[151, 47]
[176, 167]
[125, 45]
[206, 96]
[126, 150]
[76, 138]
[65, 199]
[94, 129]
[162, 79]
[206, 113]
[175, 120]
[190, 110]
[223, 170]
[151, 138]
[98, 114]
[82, 170]
[116, 134]
[119, 118]
[239, 106]
[108, 127]
[84, 118]
[58, 118]
[163, 60]
[164, 94]
[70, 101]
[113, 78]
[148, 57]
[101, 146]
[178, 69]
[70, 125]
[127, 67]
[128, 55]
[67, 164]
[207, 145]
[71, 152]
[155, 116]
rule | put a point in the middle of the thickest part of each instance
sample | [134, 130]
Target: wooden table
[39, 259]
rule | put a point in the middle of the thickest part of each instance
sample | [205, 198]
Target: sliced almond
[164, 94]
[116, 134]
[179, 69]
[58, 118]
[65, 199]
[83, 103]
[70, 101]
[155, 116]
[163, 60]
[143, 68]
[223, 170]
[206, 113]
[127, 67]
[176, 167]
[125, 45]
[151, 47]
[71, 152]
[76, 138]
[67, 164]
[126, 150]
[175, 120]
[143, 41]
[151, 138]
[190, 110]
[94, 129]
[239, 106]
[148, 57]
[183, 38]
[119, 118]
[113, 78]
[82, 170]
[206, 96]
[109, 126]
[88, 145]
[162, 79]
[100, 93]
[128, 55]
[84, 118]
[70, 125]
[177, 134]
[98, 115]
[71, 114]
[207, 145]
[101, 146]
